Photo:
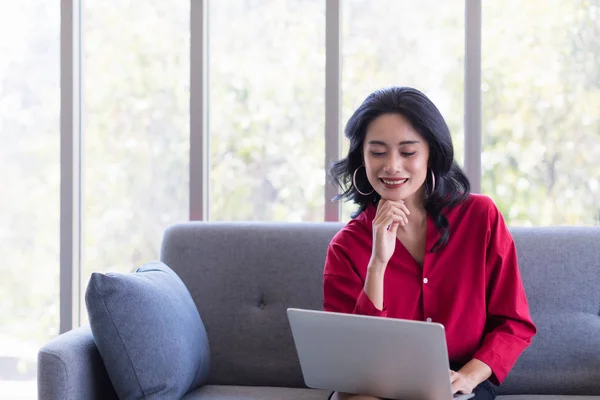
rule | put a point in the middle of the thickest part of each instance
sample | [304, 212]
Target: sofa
[243, 276]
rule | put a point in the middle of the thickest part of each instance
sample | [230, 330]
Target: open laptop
[383, 357]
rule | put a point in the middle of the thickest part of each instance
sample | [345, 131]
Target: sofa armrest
[70, 368]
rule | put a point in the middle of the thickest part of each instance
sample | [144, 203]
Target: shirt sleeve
[509, 327]
[343, 288]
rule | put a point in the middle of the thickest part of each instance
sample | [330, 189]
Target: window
[266, 110]
[135, 130]
[403, 43]
[541, 110]
[266, 124]
[30, 201]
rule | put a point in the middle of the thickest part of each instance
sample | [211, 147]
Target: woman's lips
[393, 183]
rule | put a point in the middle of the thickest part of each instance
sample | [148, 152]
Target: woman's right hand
[390, 215]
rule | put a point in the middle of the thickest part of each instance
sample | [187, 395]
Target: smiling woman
[401, 42]
[399, 134]
[397, 257]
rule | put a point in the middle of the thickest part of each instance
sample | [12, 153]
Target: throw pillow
[148, 332]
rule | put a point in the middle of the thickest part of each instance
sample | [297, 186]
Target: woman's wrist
[376, 266]
[476, 371]
[374, 283]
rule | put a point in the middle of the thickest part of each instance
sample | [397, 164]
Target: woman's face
[396, 158]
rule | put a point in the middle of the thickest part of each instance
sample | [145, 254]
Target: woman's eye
[377, 154]
[409, 154]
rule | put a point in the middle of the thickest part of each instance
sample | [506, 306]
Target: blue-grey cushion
[148, 332]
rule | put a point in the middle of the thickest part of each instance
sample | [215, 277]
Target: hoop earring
[354, 182]
[432, 183]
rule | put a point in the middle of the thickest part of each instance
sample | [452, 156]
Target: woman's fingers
[389, 223]
[393, 218]
[393, 225]
[400, 213]
[380, 205]
[459, 383]
[395, 208]
[453, 376]
[454, 381]
[387, 219]
[390, 215]
[456, 386]
[397, 212]
[394, 205]
[398, 205]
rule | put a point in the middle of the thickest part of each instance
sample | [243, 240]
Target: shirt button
[428, 319]
[425, 280]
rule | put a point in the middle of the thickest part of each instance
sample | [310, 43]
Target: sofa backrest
[243, 277]
[560, 268]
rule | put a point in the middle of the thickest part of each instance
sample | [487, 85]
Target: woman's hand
[472, 374]
[462, 383]
[390, 215]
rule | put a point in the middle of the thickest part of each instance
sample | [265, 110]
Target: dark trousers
[485, 391]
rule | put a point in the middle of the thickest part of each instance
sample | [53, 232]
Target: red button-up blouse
[472, 285]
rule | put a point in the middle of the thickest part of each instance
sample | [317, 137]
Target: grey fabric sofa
[243, 276]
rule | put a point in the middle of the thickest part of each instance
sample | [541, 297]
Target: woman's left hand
[461, 383]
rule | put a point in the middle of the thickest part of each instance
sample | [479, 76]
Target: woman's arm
[343, 289]
[509, 328]
[374, 283]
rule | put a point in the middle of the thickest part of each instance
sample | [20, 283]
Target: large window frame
[70, 128]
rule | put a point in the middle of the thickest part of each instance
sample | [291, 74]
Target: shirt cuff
[365, 306]
[493, 360]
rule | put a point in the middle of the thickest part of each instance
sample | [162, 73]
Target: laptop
[383, 357]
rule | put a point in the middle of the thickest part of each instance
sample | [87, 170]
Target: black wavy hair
[451, 184]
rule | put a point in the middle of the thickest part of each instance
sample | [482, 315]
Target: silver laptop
[382, 357]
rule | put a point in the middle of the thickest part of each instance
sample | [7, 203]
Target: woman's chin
[401, 194]
[393, 195]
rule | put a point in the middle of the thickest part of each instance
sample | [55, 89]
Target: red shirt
[472, 285]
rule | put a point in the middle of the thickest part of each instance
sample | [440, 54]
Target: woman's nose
[392, 165]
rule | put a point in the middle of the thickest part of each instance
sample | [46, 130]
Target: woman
[420, 246]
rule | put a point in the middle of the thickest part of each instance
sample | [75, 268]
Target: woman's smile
[393, 183]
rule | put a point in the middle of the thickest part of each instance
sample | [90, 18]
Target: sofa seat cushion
[148, 333]
[222, 392]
